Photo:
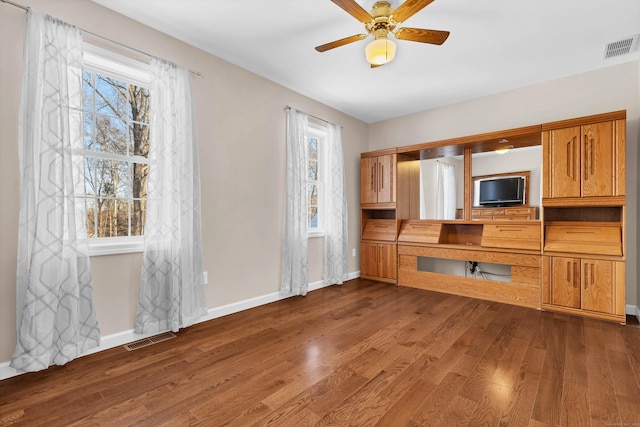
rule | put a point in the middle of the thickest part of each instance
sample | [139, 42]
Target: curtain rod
[286, 107]
[197, 73]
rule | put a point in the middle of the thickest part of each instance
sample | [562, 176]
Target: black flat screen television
[507, 191]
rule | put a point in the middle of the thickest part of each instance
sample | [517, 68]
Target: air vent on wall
[621, 47]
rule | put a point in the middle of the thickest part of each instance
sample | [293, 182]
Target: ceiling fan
[382, 21]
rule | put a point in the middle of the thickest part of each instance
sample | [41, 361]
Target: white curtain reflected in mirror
[445, 191]
[441, 192]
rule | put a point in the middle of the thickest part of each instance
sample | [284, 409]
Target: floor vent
[621, 47]
[145, 342]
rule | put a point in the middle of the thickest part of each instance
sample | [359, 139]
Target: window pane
[87, 89]
[91, 215]
[312, 170]
[113, 178]
[139, 135]
[106, 215]
[124, 184]
[113, 217]
[122, 217]
[312, 191]
[313, 217]
[139, 99]
[89, 176]
[313, 148]
[111, 97]
[138, 215]
[88, 132]
[111, 135]
[140, 173]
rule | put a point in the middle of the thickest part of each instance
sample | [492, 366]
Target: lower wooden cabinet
[588, 285]
[379, 261]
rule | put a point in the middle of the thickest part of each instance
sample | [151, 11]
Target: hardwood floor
[361, 354]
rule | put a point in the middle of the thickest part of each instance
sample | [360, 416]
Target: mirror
[514, 160]
[441, 187]
[436, 202]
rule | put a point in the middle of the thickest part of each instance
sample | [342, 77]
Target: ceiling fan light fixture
[380, 51]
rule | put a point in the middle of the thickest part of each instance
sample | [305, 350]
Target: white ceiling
[495, 45]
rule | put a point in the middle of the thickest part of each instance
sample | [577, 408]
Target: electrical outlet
[205, 277]
[353, 252]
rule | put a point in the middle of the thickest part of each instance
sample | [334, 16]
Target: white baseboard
[125, 337]
[633, 310]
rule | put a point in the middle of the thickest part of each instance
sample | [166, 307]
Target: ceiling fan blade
[409, 8]
[355, 10]
[422, 35]
[341, 42]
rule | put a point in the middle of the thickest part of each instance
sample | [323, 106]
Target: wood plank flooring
[360, 354]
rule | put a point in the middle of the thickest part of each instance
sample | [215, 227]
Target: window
[116, 146]
[316, 143]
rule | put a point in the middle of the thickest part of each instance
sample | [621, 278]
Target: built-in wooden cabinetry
[584, 216]
[378, 178]
[378, 192]
[379, 260]
[512, 243]
[579, 285]
[584, 157]
[566, 255]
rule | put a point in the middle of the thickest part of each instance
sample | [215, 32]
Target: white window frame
[108, 63]
[320, 133]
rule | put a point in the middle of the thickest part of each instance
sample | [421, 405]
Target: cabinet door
[369, 259]
[387, 261]
[563, 151]
[565, 282]
[598, 287]
[597, 166]
[386, 178]
[369, 180]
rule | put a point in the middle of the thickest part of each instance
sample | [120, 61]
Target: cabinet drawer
[516, 236]
[584, 238]
[380, 229]
[486, 213]
[420, 232]
[522, 217]
[519, 211]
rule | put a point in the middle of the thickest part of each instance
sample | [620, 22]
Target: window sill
[316, 234]
[115, 246]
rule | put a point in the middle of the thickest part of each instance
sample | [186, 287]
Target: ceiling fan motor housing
[382, 23]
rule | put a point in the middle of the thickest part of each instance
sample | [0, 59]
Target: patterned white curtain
[445, 191]
[55, 312]
[172, 288]
[294, 257]
[335, 244]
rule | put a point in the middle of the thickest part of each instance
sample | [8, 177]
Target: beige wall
[608, 89]
[241, 132]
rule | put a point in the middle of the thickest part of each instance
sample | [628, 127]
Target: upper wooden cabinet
[377, 178]
[585, 160]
